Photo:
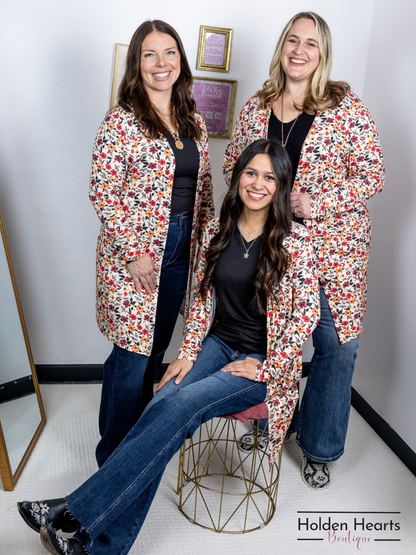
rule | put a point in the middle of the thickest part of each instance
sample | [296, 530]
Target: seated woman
[248, 350]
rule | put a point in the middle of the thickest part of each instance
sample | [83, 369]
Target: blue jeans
[113, 503]
[324, 411]
[129, 377]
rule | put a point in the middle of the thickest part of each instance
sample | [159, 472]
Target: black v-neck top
[186, 174]
[296, 138]
[237, 321]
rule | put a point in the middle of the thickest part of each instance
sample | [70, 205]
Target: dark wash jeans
[321, 422]
[129, 377]
[324, 411]
[113, 503]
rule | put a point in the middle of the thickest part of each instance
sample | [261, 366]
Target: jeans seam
[124, 493]
[122, 551]
[175, 250]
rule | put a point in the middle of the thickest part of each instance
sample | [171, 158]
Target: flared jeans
[113, 503]
[129, 377]
[322, 421]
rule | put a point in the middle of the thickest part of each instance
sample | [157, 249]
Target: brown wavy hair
[134, 98]
[274, 260]
[322, 94]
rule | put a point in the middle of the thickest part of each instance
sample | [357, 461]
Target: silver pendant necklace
[246, 255]
[254, 230]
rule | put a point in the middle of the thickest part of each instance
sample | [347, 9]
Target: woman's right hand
[143, 273]
[179, 367]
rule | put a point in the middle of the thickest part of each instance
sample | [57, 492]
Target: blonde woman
[337, 166]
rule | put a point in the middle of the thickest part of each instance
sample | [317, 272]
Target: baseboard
[93, 373]
[16, 389]
[385, 431]
[67, 373]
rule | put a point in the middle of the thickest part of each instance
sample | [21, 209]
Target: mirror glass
[21, 409]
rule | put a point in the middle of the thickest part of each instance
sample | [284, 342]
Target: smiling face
[257, 185]
[160, 63]
[300, 53]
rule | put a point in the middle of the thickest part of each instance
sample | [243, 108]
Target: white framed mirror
[22, 416]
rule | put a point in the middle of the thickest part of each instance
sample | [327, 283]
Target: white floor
[368, 479]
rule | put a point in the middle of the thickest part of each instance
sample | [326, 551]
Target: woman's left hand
[179, 368]
[243, 368]
[300, 205]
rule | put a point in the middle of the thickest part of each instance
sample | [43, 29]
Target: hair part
[133, 96]
[274, 259]
[322, 93]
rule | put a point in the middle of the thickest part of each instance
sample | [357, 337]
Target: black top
[237, 321]
[186, 173]
[296, 138]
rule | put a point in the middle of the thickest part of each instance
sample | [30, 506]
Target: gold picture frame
[119, 69]
[214, 48]
[215, 99]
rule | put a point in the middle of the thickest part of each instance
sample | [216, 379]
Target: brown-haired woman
[152, 190]
[337, 166]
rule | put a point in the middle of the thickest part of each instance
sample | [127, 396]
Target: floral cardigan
[131, 188]
[340, 168]
[292, 314]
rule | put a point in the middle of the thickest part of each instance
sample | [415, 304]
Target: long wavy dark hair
[273, 261]
[134, 98]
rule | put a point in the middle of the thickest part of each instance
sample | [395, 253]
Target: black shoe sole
[44, 538]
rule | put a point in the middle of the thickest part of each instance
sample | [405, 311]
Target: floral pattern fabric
[340, 168]
[131, 188]
[292, 315]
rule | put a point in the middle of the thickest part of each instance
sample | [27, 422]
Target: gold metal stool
[222, 488]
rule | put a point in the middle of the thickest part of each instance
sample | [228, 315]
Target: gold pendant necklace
[284, 143]
[178, 142]
[176, 138]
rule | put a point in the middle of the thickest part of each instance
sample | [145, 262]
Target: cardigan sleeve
[198, 321]
[364, 167]
[302, 318]
[109, 167]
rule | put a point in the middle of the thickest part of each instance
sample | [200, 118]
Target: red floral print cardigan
[131, 188]
[340, 168]
[292, 314]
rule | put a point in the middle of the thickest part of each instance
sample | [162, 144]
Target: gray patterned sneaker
[315, 474]
[246, 442]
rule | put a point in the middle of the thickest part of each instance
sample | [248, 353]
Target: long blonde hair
[322, 93]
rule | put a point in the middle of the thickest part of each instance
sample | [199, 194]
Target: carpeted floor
[372, 497]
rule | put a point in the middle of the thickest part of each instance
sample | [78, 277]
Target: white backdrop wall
[385, 374]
